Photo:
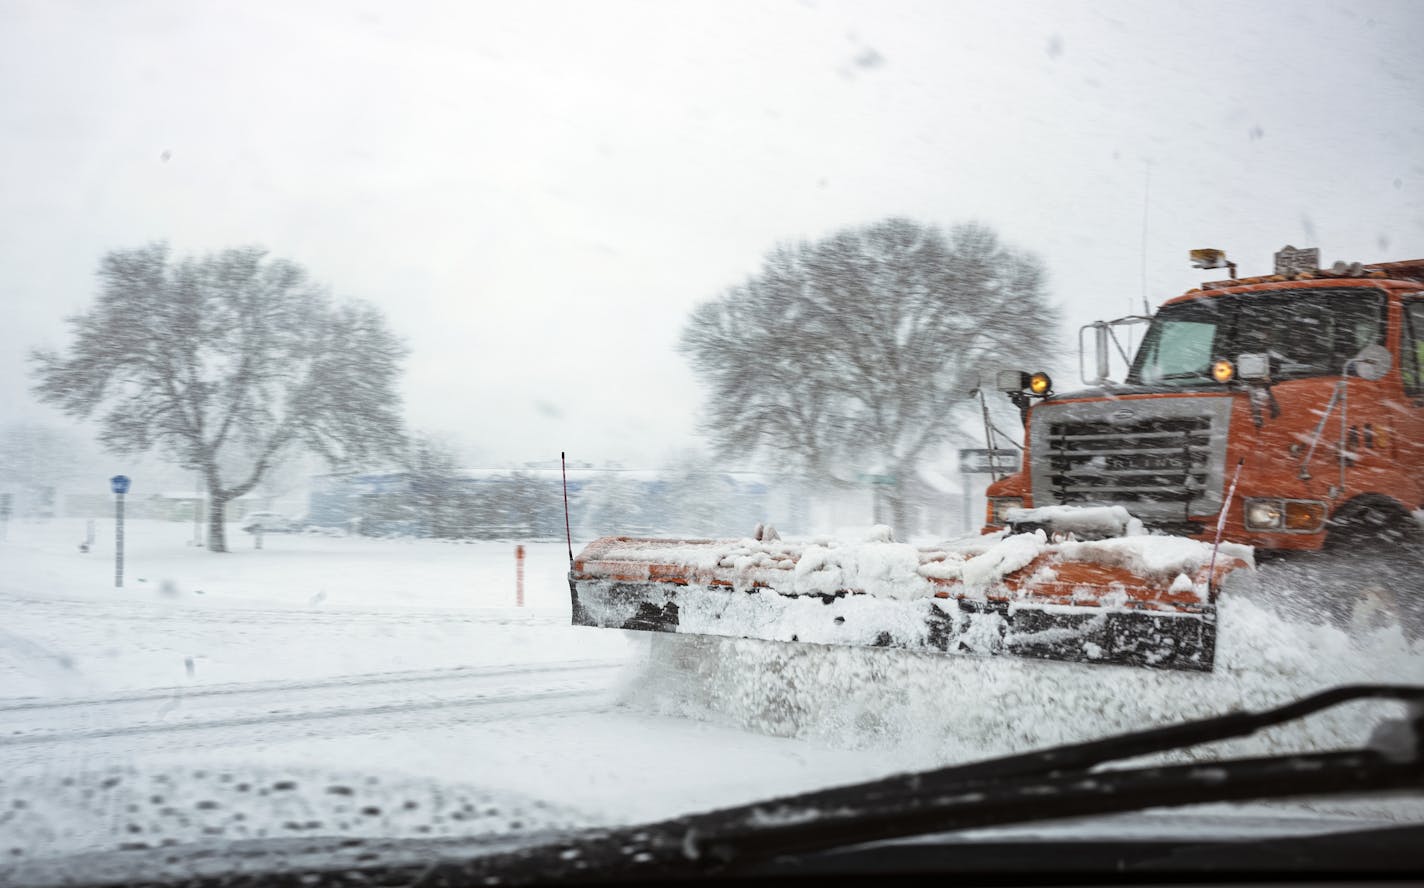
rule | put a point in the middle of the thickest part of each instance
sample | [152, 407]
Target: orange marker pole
[519, 576]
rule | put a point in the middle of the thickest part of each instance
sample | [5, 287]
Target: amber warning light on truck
[1211, 258]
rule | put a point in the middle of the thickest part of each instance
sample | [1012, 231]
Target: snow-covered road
[401, 668]
[252, 713]
[260, 693]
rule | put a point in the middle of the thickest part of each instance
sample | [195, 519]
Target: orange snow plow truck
[1282, 412]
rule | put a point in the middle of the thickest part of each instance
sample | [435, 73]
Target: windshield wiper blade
[1080, 795]
[1049, 784]
[1134, 744]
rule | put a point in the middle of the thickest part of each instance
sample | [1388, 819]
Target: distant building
[28, 501]
[529, 503]
[176, 505]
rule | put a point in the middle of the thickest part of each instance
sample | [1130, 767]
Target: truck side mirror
[1105, 345]
[1372, 363]
[1254, 369]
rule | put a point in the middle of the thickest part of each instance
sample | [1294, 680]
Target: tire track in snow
[49, 737]
[231, 612]
[364, 680]
[56, 666]
[271, 712]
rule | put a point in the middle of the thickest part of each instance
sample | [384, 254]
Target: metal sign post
[120, 485]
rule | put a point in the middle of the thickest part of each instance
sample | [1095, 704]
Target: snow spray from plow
[1272, 642]
[1135, 600]
[922, 710]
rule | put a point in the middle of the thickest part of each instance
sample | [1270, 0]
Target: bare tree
[855, 355]
[229, 359]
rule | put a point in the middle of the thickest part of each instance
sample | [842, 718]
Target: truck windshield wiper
[1049, 784]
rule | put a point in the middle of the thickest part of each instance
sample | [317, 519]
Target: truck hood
[1121, 391]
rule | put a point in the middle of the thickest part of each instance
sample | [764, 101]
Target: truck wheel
[1374, 525]
[1379, 530]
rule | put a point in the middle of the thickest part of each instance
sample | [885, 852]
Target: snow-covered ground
[366, 687]
[399, 667]
[304, 606]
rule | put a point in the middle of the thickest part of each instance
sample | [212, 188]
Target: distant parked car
[270, 522]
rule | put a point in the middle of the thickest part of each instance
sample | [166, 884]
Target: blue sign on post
[120, 485]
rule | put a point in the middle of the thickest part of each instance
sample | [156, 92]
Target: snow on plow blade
[1140, 601]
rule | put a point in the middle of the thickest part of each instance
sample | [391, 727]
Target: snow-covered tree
[854, 356]
[231, 357]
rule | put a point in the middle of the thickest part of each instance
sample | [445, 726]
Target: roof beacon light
[1222, 371]
[1211, 258]
[1040, 384]
[1292, 261]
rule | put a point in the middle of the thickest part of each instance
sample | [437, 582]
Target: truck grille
[1160, 458]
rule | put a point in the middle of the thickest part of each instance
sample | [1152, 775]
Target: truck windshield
[1306, 333]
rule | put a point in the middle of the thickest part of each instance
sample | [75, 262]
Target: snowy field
[401, 668]
[304, 606]
[331, 685]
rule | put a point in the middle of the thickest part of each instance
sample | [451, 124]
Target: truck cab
[1293, 401]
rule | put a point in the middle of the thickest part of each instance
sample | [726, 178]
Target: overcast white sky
[537, 193]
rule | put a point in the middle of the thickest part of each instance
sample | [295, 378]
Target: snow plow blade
[1115, 601]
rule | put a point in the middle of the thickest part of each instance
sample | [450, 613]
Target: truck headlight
[1291, 516]
[999, 506]
[1264, 514]
[1304, 515]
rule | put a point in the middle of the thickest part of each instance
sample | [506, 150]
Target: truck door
[1409, 429]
